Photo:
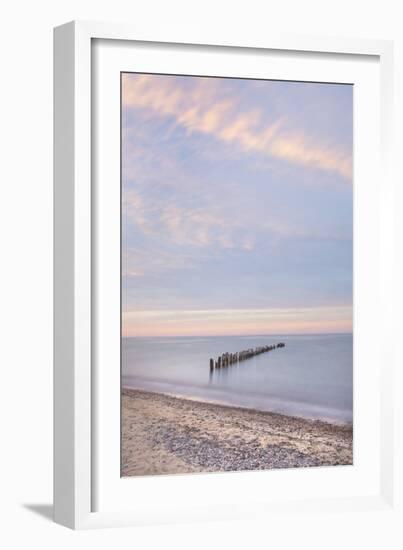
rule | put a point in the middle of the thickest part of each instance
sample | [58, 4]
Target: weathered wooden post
[226, 359]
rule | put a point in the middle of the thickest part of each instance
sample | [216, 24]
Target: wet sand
[169, 435]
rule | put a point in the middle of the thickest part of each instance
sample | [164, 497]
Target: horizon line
[338, 333]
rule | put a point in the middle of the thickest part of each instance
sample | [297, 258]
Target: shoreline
[164, 434]
[331, 422]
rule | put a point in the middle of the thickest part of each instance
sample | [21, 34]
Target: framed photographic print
[221, 308]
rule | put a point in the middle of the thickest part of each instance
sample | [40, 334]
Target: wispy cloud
[211, 225]
[141, 262]
[200, 108]
[238, 321]
[183, 225]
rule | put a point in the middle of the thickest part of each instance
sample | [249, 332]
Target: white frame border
[72, 262]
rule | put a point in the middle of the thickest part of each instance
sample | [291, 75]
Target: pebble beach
[170, 435]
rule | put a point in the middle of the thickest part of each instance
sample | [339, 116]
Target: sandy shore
[167, 435]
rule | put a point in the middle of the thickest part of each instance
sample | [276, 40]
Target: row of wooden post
[227, 359]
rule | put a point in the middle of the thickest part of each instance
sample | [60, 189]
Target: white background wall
[26, 267]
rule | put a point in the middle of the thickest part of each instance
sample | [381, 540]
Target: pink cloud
[222, 322]
[201, 109]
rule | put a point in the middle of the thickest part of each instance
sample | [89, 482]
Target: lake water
[311, 377]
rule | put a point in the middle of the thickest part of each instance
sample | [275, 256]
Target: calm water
[311, 377]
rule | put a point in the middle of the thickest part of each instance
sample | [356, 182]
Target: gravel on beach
[169, 435]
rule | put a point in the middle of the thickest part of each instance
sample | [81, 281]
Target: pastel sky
[236, 206]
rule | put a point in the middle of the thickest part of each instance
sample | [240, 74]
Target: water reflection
[221, 375]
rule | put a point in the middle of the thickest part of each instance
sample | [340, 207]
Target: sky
[236, 206]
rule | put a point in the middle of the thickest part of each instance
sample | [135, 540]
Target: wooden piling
[227, 358]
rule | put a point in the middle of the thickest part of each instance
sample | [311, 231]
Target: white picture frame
[81, 433]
